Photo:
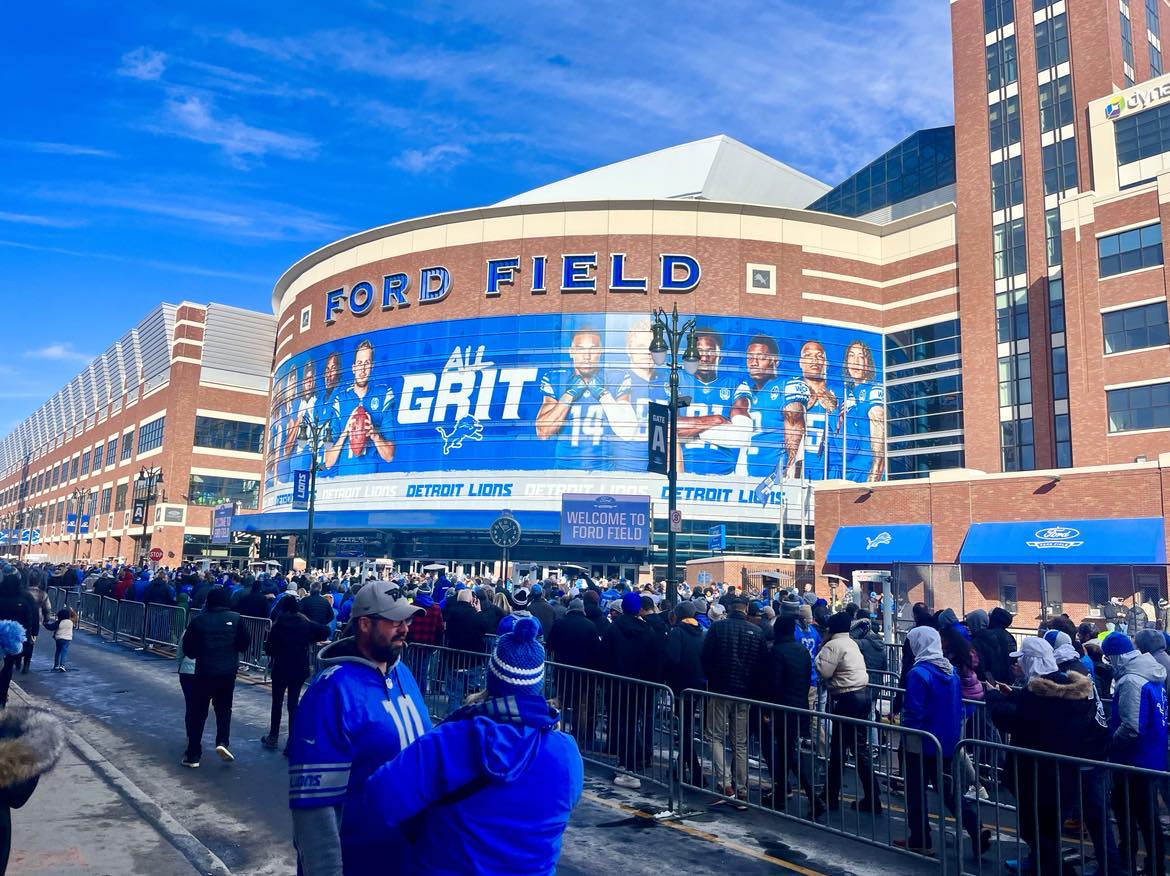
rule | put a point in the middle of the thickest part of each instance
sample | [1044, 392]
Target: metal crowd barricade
[621, 723]
[164, 626]
[255, 658]
[54, 594]
[750, 753]
[131, 622]
[108, 617]
[446, 676]
[89, 611]
[1049, 813]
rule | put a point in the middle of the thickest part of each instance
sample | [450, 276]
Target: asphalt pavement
[121, 803]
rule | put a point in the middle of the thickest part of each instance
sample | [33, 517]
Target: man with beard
[364, 699]
[712, 442]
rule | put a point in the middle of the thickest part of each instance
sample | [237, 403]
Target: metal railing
[131, 623]
[164, 626]
[254, 657]
[1049, 812]
[751, 753]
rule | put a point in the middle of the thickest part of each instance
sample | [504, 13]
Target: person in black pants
[288, 647]
[15, 605]
[215, 639]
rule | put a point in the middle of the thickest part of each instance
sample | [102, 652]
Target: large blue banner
[568, 394]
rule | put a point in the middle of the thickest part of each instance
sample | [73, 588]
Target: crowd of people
[814, 690]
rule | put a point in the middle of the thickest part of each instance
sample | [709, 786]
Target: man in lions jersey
[572, 411]
[775, 406]
[863, 416]
[641, 384]
[712, 392]
[364, 410]
[812, 399]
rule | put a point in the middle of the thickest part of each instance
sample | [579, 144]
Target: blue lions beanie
[516, 666]
[1117, 643]
[631, 603]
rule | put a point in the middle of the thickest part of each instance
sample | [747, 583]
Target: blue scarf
[523, 711]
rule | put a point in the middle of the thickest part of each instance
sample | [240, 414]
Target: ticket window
[1098, 594]
[1007, 592]
[1055, 593]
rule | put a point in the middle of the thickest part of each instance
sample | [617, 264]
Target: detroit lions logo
[878, 540]
[465, 429]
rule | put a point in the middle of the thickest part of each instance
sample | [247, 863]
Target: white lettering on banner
[700, 497]
[466, 386]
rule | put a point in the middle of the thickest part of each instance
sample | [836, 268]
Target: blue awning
[1122, 541]
[882, 545]
[298, 521]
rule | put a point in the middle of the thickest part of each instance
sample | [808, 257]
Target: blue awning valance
[882, 545]
[1122, 541]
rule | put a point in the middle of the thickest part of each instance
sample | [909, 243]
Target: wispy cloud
[251, 218]
[49, 148]
[194, 117]
[441, 157]
[852, 77]
[176, 267]
[143, 63]
[43, 221]
[61, 352]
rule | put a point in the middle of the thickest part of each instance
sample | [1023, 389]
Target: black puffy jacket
[630, 648]
[317, 608]
[544, 613]
[464, 627]
[684, 658]
[288, 644]
[574, 641]
[17, 605]
[732, 653]
[786, 671]
[216, 638]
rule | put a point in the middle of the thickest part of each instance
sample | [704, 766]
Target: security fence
[989, 808]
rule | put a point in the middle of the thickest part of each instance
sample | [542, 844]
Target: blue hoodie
[138, 590]
[497, 783]
[934, 703]
[1137, 718]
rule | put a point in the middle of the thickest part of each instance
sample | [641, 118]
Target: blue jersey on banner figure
[764, 397]
[712, 393]
[863, 415]
[639, 386]
[812, 391]
[364, 412]
[571, 412]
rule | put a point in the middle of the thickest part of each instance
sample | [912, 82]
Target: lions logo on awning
[878, 540]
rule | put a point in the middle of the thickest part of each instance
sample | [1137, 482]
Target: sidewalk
[86, 818]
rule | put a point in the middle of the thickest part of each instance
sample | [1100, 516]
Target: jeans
[850, 737]
[282, 686]
[723, 717]
[631, 716]
[62, 650]
[215, 691]
[30, 645]
[921, 771]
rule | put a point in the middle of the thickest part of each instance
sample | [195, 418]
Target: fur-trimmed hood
[30, 743]
[1077, 687]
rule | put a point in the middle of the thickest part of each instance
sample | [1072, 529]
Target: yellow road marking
[707, 837]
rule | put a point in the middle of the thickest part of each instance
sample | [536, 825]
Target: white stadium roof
[715, 169]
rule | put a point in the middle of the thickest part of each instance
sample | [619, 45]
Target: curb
[201, 858]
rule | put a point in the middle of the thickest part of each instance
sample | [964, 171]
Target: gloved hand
[577, 388]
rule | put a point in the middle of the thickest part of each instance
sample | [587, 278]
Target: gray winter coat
[1152, 642]
[873, 651]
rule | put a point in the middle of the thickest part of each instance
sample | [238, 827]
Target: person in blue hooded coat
[496, 781]
[1137, 723]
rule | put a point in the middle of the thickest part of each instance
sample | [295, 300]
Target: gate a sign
[657, 437]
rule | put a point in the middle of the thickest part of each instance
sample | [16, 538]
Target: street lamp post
[149, 478]
[315, 433]
[664, 347]
[76, 498]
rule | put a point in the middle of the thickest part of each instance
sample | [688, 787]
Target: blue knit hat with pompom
[517, 665]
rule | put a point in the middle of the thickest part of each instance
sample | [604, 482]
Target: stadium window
[1129, 250]
[1139, 407]
[1136, 328]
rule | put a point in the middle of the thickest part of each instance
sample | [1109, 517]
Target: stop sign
[156, 554]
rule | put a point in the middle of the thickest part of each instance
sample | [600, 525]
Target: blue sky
[151, 154]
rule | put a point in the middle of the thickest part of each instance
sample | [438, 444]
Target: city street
[121, 787]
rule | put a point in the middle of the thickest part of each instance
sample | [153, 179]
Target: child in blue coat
[497, 781]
